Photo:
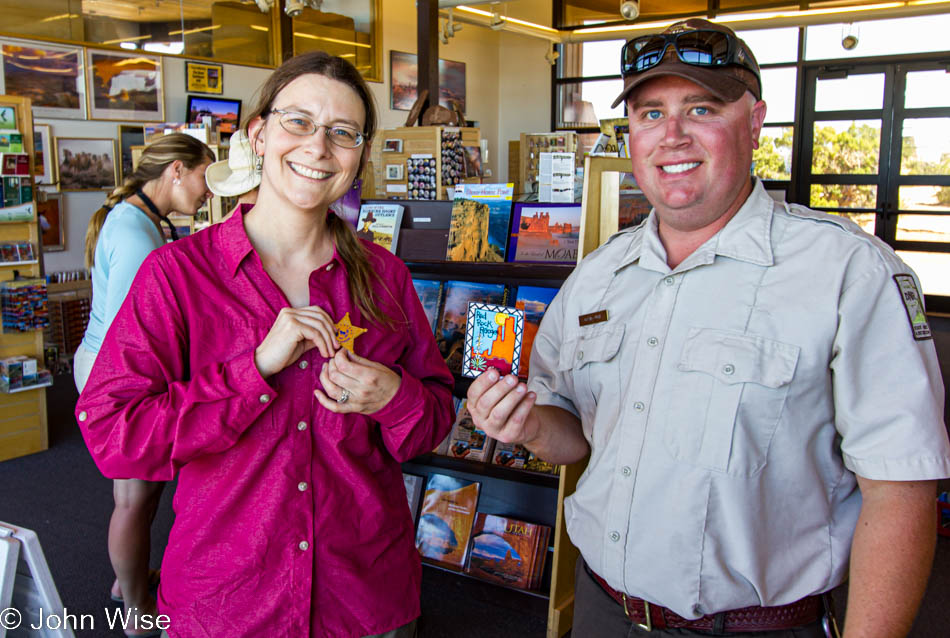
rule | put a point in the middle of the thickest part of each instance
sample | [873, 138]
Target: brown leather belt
[748, 619]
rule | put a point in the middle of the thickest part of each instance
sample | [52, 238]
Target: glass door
[875, 147]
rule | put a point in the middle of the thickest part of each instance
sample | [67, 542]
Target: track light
[849, 36]
[294, 8]
[496, 20]
[551, 56]
[449, 28]
[265, 5]
[630, 9]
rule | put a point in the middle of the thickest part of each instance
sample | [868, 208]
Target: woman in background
[283, 369]
[169, 177]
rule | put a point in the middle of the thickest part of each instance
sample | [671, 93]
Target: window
[234, 31]
[346, 28]
[845, 132]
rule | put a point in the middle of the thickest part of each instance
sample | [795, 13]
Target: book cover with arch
[493, 338]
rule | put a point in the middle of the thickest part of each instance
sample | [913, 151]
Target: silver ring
[344, 397]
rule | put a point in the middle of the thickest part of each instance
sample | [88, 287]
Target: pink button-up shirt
[290, 520]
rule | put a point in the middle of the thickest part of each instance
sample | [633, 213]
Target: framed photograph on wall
[85, 164]
[202, 77]
[42, 155]
[52, 218]
[50, 75]
[404, 81]
[124, 86]
[225, 112]
[129, 135]
[394, 171]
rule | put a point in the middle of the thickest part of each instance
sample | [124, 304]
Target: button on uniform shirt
[729, 402]
[290, 520]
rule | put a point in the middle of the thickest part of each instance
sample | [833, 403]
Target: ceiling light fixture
[630, 9]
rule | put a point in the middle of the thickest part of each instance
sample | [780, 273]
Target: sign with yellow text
[204, 78]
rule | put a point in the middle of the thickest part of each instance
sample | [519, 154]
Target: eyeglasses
[302, 125]
[698, 47]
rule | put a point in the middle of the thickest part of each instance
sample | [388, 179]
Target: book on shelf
[414, 484]
[430, 296]
[445, 520]
[493, 336]
[512, 455]
[379, 223]
[466, 441]
[556, 177]
[535, 464]
[547, 233]
[9, 252]
[517, 456]
[508, 551]
[17, 213]
[478, 230]
[450, 335]
[533, 301]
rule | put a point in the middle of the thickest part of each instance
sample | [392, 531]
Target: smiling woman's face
[309, 171]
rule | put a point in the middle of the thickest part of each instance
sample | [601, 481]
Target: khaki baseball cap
[728, 82]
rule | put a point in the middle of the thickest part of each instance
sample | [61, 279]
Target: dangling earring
[259, 163]
[176, 181]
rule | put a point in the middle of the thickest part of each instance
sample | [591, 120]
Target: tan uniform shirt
[730, 402]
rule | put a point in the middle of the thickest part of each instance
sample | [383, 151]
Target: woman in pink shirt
[283, 369]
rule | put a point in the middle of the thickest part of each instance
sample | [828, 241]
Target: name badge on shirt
[595, 317]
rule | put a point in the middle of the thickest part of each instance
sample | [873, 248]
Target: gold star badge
[346, 332]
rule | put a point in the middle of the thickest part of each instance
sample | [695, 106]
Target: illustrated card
[493, 338]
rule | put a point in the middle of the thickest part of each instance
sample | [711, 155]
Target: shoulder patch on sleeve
[914, 305]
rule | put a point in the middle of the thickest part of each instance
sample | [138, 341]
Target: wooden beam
[427, 45]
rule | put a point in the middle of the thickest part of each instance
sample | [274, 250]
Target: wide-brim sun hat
[235, 175]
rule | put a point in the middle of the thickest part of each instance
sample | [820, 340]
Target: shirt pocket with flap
[591, 360]
[731, 391]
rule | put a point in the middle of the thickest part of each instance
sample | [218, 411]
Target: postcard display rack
[505, 491]
[70, 303]
[23, 427]
[422, 162]
[524, 156]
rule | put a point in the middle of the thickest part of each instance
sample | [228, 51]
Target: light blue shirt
[730, 402]
[127, 237]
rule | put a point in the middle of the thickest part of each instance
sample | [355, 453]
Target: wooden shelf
[488, 469]
[9, 264]
[526, 592]
[28, 387]
[503, 273]
[23, 428]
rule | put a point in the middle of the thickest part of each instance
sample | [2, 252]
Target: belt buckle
[647, 624]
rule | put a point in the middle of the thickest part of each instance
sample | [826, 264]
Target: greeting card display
[493, 336]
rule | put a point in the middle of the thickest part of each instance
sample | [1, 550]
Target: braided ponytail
[129, 185]
[154, 160]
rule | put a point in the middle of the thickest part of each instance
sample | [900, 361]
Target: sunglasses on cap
[697, 47]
